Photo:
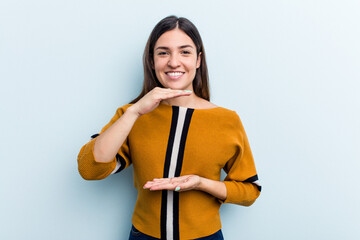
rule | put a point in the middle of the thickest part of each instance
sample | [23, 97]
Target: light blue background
[289, 68]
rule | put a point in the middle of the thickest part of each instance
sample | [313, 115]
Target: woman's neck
[191, 101]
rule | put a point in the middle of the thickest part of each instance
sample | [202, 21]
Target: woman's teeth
[175, 74]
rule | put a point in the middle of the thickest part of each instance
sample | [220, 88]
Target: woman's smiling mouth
[175, 75]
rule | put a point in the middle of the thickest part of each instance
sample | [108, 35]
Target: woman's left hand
[183, 183]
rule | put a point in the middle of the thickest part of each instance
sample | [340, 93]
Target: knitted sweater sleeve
[241, 182]
[90, 169]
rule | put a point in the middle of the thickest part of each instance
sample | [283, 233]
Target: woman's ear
[198, 60]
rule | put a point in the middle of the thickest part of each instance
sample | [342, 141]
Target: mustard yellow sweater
[174, 141]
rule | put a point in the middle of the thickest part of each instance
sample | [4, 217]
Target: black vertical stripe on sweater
[184, 133]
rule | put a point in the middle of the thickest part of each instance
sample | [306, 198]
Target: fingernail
[188, 91]
[177, 189]
[144, 188]
[180, 91]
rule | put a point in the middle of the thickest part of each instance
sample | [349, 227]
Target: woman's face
[175, 60]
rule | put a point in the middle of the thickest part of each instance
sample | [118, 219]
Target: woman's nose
[173, 61]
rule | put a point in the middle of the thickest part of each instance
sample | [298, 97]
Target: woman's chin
[176, 86]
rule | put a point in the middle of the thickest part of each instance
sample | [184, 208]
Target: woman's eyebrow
[166, 48]
[186, 46]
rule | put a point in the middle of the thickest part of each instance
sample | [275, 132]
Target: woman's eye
[162, 53]
[186, 52]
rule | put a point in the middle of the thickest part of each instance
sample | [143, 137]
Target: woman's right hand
[153, 98]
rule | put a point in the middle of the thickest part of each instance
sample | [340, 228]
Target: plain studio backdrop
[289, 68]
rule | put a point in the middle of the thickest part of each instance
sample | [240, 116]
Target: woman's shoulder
[205, 104]
[220, 113]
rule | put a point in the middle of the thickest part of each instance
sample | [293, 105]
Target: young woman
[178, 142]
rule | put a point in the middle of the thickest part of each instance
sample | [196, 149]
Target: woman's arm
[91, 164]
[100, 156]
[108, 143]
[215, 188]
